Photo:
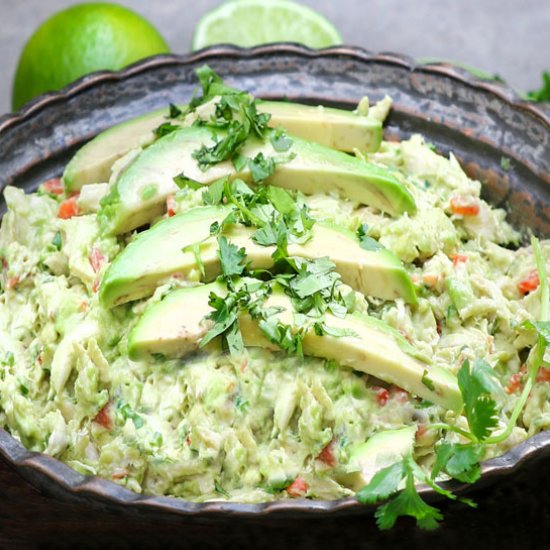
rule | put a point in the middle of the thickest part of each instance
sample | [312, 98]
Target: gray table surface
[509, 37]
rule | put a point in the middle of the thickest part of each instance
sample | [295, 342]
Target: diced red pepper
[464, 206]
[543, 375]
[103, 417]
[95, 285]
[188, 440]
[530, 283]
[297, 488]
[327, 455]
[514, 384]
[68, 208]
[97, 259]
[119, 474]
[458, 258]
[170, 205]
[12, 282]
[382, 396]
[53, 186]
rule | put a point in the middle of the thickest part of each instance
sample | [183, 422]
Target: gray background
[509, 37]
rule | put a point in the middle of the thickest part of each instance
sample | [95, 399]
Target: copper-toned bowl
[481, 122]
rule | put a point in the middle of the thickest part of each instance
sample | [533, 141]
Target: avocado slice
[380, 451]
[92, 163]
[156, 254]
[335, 128]
[175, 326]
[140, 192]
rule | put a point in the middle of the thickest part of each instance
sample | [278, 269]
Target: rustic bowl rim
[93, 487]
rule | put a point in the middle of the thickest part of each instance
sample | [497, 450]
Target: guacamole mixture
[213, 304]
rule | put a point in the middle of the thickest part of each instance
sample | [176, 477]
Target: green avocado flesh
[157, 254]
[176, 325]
[335, 128]
[139, 194]
[380, 451]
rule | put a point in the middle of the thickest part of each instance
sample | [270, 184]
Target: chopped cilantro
[232, 258]
[385, 483]
[174, 111]
[476, 383]
[214, 194]
[543, 93]
[129, 414]
[261, 168]
[366, 242]
[165, 128]
[460, 461]
[182, 181]
[427, 381]
[322, 328]
[57, 241]
[280, 140]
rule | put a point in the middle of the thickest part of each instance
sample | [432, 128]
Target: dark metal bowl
[481, 122]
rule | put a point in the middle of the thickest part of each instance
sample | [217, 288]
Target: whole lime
[79, 40]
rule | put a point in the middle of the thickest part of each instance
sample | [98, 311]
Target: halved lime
[252, 22]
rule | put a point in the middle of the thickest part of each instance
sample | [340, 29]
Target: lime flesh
[251, 22]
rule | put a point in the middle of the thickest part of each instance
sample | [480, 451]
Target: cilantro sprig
[396, 484]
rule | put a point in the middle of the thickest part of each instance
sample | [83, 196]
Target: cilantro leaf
[313, 276]
[174, 111]
[366, 242]
[476, 384]
[460, 461]
[232, 258]
[322, 328]
[234, 339]
[271, 234]
[261, 167]
[213, 195]
[223, 148]
[408, 502]
[181, 180]
[212, 85]
[282, 336]
[282, 200]
[280, 141]
[224, 315]
[165, 128]
[239, 161]
[383, 484]
[543, 93]
[57, 242]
